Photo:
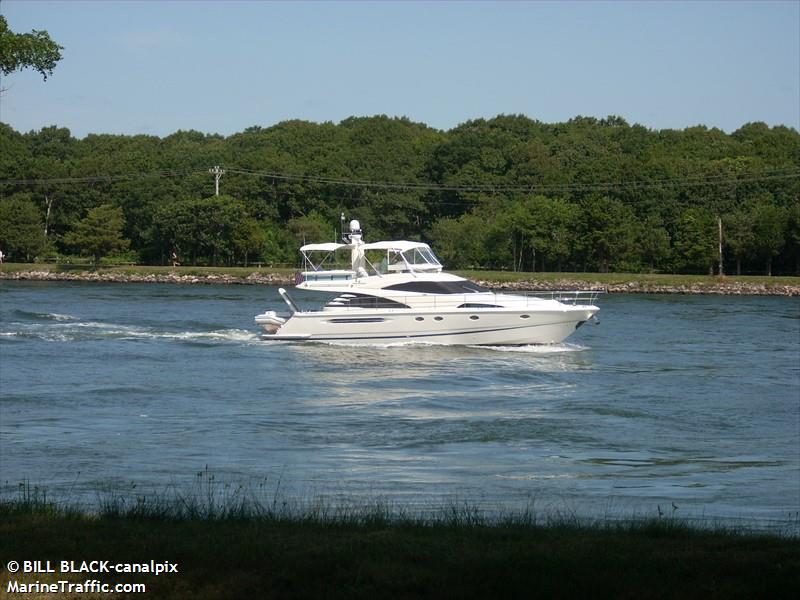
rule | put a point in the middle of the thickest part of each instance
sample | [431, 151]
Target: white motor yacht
[395, 291]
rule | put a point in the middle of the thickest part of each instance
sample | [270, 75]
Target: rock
[255, 278]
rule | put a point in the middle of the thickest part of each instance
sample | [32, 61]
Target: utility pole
[217, 173]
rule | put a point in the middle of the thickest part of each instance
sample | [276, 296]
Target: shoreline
[610, 283]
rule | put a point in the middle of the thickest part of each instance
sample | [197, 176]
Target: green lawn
[605, 279]
[659, 279]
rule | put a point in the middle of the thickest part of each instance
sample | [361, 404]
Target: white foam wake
[538, 348]
[71, 331]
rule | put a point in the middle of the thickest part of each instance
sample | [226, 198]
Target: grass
[238, 272]
[652, 279]
[230, 544]
[605, 279]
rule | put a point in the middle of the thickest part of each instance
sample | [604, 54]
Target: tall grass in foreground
[211, 500]
[252, 541]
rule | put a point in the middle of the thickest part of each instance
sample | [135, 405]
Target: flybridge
[323, 263]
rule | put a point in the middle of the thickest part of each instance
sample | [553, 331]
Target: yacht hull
[460, 327]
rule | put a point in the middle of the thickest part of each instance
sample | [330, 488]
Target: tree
[99, 233]
[793, 235]
[312, 229]
[557, 223]
[653, 242]
[516, 192]
[738, 232]
[609, 232]
[210, 230]
[696, 241]
[460, 243]
[21, 230]
[27, 50]
[769, 227]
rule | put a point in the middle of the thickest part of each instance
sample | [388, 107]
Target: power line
[99, 178]
[687, 181]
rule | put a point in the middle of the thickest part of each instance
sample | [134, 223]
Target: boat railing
[570, 297]
[466, 301]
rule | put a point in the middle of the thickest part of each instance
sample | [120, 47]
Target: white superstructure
[395, 291]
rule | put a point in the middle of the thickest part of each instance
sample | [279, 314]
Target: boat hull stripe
[313, 337]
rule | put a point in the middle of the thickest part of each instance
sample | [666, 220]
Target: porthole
[437, 318]
[524, 316]
[474, 317]
[419, 318]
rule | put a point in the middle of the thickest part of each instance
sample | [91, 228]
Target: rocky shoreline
[728, 288]
[169, 277]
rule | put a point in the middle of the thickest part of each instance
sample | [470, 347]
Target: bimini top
[326, 247]
[396, 245]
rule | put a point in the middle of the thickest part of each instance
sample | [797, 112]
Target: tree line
[503, 193]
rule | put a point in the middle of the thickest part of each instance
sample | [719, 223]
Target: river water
[687, 401]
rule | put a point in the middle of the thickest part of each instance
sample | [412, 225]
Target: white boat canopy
[404, 255]
[396, 245]
[326, 247]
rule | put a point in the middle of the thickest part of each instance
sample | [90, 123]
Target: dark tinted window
[438, 287]
[365, 301]
[478, 305]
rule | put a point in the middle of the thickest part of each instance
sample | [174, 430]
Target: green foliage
[216, 230]
[608, 233]
[460, 243]
[27, 50]
[312, 228]
[793, 234]
[99, 233]
[21, 230]
[696, 241]
[769, 228]
[507, 193]
[653, 243]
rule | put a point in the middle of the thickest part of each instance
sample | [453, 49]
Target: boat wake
[368, 344]
[527, 349]
[537, 348]
[34, 316]
[62, 328]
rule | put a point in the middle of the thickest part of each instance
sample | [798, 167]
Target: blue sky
[156, 67]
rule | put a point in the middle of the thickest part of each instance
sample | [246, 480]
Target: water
[672, 399]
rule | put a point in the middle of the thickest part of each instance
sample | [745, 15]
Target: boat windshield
[421, 256]
[400, 257]
[439, 287]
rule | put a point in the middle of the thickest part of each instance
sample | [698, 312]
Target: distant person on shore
[1, 257]
[175, 262]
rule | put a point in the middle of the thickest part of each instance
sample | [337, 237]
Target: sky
[156, 67]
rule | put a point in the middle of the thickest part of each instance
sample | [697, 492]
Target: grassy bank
[613, 282]
[613, 279]
[369, 553]
[144, 270]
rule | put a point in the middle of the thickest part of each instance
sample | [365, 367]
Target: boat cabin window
[364, 301]
[438, 287]
[478, 305]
